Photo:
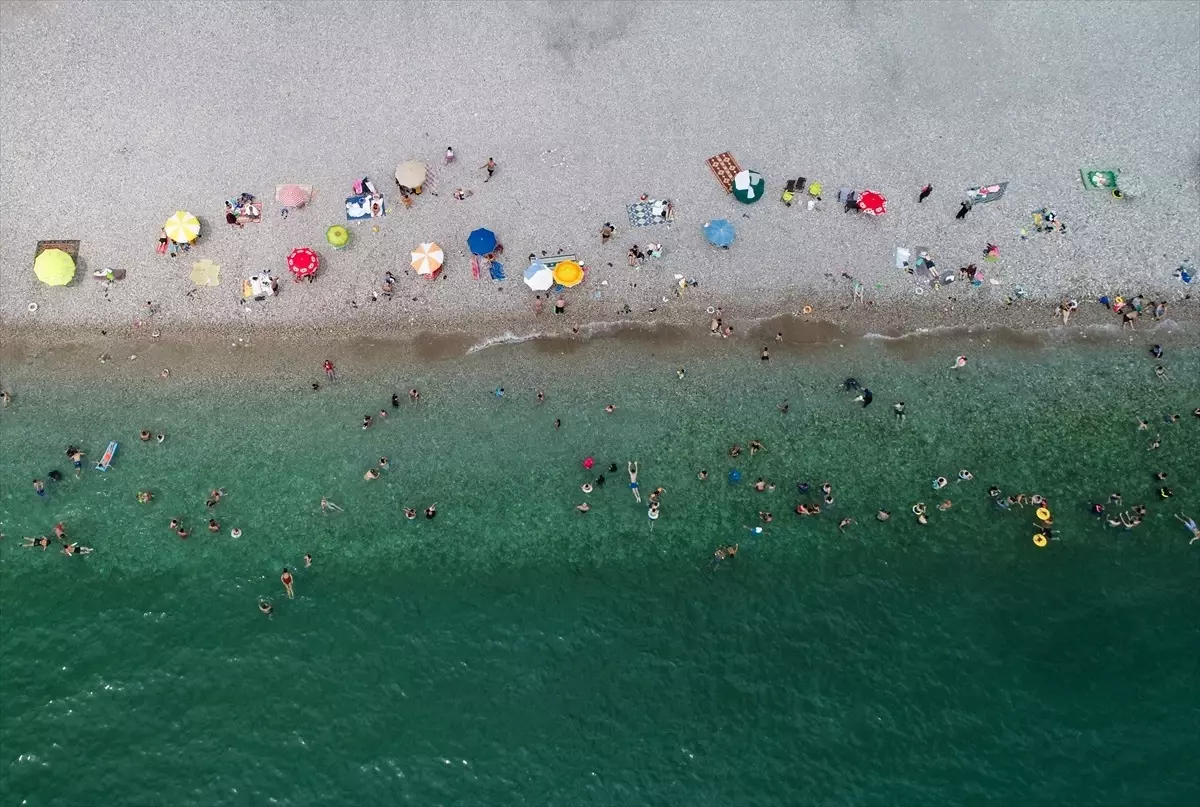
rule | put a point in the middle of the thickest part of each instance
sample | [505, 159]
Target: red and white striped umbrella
[293, 195]
[303, 262]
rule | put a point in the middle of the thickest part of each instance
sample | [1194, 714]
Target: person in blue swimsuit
[41, 489]
[632, 467]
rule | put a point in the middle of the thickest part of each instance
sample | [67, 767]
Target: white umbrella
[539, 277]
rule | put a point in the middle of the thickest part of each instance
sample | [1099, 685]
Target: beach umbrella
[337, 236]
[427, 259]
[872, 202]
[293, 195]
[303, 262]
[748, 187]
[719, 232]
[54, 267]
[568, 274]
[539, 277]
[183, 227]
[206, 273]
[411, 174]
[481, 241]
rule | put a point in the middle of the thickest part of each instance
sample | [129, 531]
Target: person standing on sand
[606, 232]
[490, 165]
[449, 154]
[286, 579]
[963, 211]
[632, 468]
[924, 194]
[560, 305]
[538, 305]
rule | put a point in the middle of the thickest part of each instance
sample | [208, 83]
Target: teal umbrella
[748, 187]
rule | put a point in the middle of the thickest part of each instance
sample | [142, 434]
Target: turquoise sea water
[514, 651]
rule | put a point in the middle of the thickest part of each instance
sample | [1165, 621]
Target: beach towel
[641, 215]
[497, 270]
[364, 207]
[475, 266]
[986, 193]
[724, 168]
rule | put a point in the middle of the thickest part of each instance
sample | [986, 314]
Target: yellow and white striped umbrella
[427, 259]
[183, 227]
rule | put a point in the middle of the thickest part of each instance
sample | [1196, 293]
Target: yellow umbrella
[427, 259]
[54, 267]
[183, 227]
[411, 174]
[568, 274]
[206, 273]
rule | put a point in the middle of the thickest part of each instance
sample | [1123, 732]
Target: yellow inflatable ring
[1039, 540]
[807, 309]
[1043, 514]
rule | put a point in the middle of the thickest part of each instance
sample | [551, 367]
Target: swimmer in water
[735, 450]
[41, 541]
[965, 475]
[940, 483]
[1190, 525]
[722, 553]
[366, 424]
[541, 397]
[1156, 351]
[266, 608]
[844, 523]
[1161, 372]
[802, 487]
[383, 414]
[760, 485]
[702, 475]
[499, 393]
[371, 474]
[755, 447]
[600, 481]
[174, 524]
[1143, 425]
[385, 463]
[410, 513]
[328, 505]
[826, 488]
[144, 435]
[286, 579]
[1157, 442]
[652, 513]
[961, 361]
[632, 468]
[994, 492]
[583, 508]
[213, 526]
[946, 505]
[76, 549]
[161, 437]
[1165, 493]
[76, 457]
[883, 515]
[1160, 476]
[235, 533]
[307, 561]
[182, 533]
[898, 408]
[586, 487]
[866, 397]
[766, 517]
[414, 395]
[431, 511]
[610, 409]
[395, 400]
[214, 498]
[850, 384]
[54, 476]
[680, 373]
[557, 423]
[783, 407]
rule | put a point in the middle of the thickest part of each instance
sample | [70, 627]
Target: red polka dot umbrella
[872, 202]
[303, 262]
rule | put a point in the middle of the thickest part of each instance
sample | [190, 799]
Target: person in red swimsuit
[286, 579]
[329, 369]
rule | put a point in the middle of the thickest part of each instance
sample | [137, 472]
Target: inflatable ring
[711, 310]
[807, 309]
[918, 508]
[918, 291]
[1039, 540]
[32, 308]
[1043, 514]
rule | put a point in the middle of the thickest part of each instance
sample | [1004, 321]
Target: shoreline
[265, 353]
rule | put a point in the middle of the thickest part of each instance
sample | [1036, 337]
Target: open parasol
[427, 259]
[872, 202]
[303, 262]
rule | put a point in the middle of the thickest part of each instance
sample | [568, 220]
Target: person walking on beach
[1190, 524]
[963, 211]
[449, 154]
[560, 305]
[924, 194]
[632, 468]
[606, 232]
[490, 165]
[286, 579]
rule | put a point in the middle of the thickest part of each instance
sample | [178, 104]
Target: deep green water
[513, 651]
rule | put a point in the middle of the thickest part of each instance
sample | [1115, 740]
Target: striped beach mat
[724, 168]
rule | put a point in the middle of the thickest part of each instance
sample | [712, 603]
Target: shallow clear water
[513, 651]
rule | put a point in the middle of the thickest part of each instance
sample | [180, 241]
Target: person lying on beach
[41, 541]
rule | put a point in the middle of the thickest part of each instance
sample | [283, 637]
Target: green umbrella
[337, 236]
[748, 187]
[54, 267]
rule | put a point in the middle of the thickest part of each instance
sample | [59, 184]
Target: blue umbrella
[481, 241]
[719, 232]
[735, 476]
